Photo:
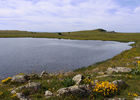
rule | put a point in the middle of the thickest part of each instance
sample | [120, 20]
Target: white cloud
[67, 15]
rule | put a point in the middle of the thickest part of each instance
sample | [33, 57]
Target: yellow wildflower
[6, 80]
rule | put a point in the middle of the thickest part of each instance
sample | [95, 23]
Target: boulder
[137, 98]
[115, 98]
[43, 74]
[20, 78]
[120, 83]
[48, 94]
[137, 58]
[102, 76]
[33, 85]
[119, 69]
[101, 73]
[62, 91]
[78, 79]
[21, 96]
[81, 90]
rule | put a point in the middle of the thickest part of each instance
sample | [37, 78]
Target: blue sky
[70, 15]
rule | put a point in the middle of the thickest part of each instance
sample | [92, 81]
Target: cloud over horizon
[70, 15]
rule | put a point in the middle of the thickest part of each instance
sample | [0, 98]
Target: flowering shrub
[104, 88]
[136, 71]
[133, 94]
[6, 80]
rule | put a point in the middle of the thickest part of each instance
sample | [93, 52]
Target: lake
[27, 55]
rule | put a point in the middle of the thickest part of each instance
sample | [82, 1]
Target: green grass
[125, 59]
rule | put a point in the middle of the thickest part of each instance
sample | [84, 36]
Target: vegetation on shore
[61, 80]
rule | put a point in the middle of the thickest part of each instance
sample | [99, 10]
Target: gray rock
[115, 99]
[137, 58]
[80, 90]
[78, 79]
[20, 78]
[33, 85]
[120, 83]
[13, 91]
[102, 76]
[119, 69]
[43, 74]
[137, 98]
[48, 94]
[101, 73]
[62, 91]
[21, 96]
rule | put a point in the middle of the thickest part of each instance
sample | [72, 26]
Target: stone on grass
[101, 73]
[102, 76]
[115, 99]
[137, 98]
[119, 69]
[48, 94]
[63, 91]
[81, 90]
[21, 96]
[20, 78]
[43, 74]
[120, 83]
[78, 79]
[33, 85]
[137, 58]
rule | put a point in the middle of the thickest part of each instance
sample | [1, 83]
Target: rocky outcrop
[76, 90]
[33, 85]
[20, 78]
[43, 74]
[120, 83]
[21, 96]
[48, 94]
[115, 99]
[137, 98]
[119, 69]
[78, 79]
[137, 58]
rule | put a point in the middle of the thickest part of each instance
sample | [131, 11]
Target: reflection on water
[28, 55]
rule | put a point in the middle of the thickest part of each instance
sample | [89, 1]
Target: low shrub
[68, 82]
[103, 89]
[7, 80]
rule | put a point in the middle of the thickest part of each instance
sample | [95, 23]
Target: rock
[120, 83]
[101, 73]
[63, 91]
[21, 96]
[33, 85]
[102, 76]
[119, 69]
[43, 74]
[13, 91]
[137, 98]
[48, 94]
[137, 58]
[20, 78]
[115, 99]
[81, 90]
[78, 79]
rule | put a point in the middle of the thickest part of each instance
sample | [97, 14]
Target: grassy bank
[125, 59]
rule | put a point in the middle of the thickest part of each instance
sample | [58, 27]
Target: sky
[70, 15]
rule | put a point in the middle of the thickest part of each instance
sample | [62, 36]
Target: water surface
[26, 55]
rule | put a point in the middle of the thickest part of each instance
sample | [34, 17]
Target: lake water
[26, 55]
